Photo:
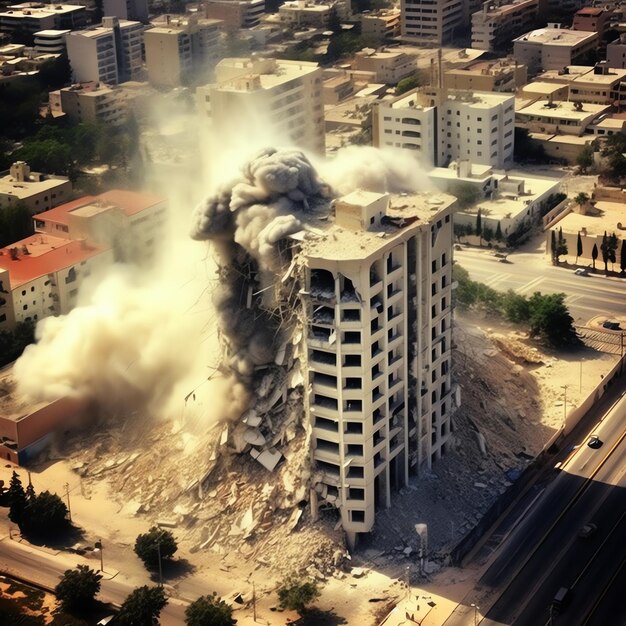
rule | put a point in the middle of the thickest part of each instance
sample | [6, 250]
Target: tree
[142, 607]
[581, 199]
[622, 257]
[550, 318]
[209, 611]
[594, 254]
[17, 500]
[30, 492]
[46, 514]
[295, 595]
[515, 307]
[604, 248]
[553, 247]
[156, 543]
[561, 246]
[479, 227]
[411, 82]
[16, 222]
[584, 160]
[579, 247]
[498, 232]
[77, 589]
[466, 194]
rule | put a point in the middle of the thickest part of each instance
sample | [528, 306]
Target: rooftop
[40, 10]
[46, 254]
[556, 36]
[100, 31]
[611, 213]
[562, 110]
[51, 32]
[23, 190]
[540, 87]
[506, 8]
[589, 11]
[408, 212]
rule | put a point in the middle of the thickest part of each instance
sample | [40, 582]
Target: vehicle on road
[582, 271]
[587, 530]
[611, 325]
[560, 597]
[594, 442]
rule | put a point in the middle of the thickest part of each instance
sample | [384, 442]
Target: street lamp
[67, 493]
[564, 388]
[98, 545]
[476, 609]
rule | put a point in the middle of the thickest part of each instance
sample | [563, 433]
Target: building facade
[503, 75]
[499, 22]
[31, 17]
[51, 41]
[445, 126]
[110, 53]
[90, 103]
[235, 14]
[616, 53]
[378, 312]
[133, 10]
[381, 25]
[432, 21]
[179, 47]
[385, 65]
[290, 92]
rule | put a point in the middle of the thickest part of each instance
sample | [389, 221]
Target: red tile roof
[48, 254]
[58, 215]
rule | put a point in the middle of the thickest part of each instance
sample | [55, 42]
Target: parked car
[594, 442]
[581, 271]
[611, 325]
[587, 530]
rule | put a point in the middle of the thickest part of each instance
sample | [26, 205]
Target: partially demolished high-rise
[336, 318]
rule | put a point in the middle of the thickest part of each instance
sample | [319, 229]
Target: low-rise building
[500, 21]
[445, 126]
[381, 25]
[553, 47]
[592, 20]
[38, 192]
[567, 118]
[539, 90]
[600, 84]
[133, 10]
[434, 22]
[177, 48]
[616, 52]
[387, 66]
[503, 75]
[235, 14]
[51, 41]
[303, 13]
[25, 19]
[90, 103]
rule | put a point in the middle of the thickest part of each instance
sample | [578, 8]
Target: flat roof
[99, 30]
[505, 9]
[543, 88]
[325, 240]
[51, 32]
[26, 189]
[611, 214]
[47, 254]
[40, 10]
[563, 110]
[556, 36]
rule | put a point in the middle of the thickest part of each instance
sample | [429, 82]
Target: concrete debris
[294, 518]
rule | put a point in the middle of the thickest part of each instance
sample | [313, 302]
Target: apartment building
[381, 25]
[303, 13]
[235, 14]
[503, 75]
[592, 20]
[178, 47]
[28, 18]
[567, 118]
[432, 21]
[377, 304]
[500, 21]
[289, 92]
[50, 41]
[445, 126]
[553, 47]
[38, 192]
[110, 53]
[386, 66]
[90, 103]
[133, 10]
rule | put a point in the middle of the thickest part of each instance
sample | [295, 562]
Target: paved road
[526, 273]
[544, 552]
[46, 568]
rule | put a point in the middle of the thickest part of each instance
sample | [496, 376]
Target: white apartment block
[553, 48]
[51, 41]
[500, 21]
[39, 192]
[432, 21]
[289, 92]
[177, 47]
[377, 303]
[303, 13]
[110, 53]
[133, 10]
[90, 103]
[387, 66]
[31, 17]
[449, 126]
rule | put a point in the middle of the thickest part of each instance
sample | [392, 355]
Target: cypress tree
[553, 246]
[479, 226]
[498, 232]
[622, 257]
[17, 500]
[579, 247]
[594, 254]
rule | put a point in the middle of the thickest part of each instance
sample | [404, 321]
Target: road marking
[606, 588]
[530, 285]
[496, 279]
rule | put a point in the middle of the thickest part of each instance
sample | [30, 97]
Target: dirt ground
[246, 526]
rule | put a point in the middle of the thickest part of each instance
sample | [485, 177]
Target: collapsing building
[335, 317]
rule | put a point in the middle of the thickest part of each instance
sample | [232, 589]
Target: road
[545, 552]
[46, 568]
[526, 273]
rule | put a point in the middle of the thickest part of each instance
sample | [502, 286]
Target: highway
[526, 273]
[545, 552]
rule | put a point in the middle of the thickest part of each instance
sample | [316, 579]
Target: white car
[581, 271]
